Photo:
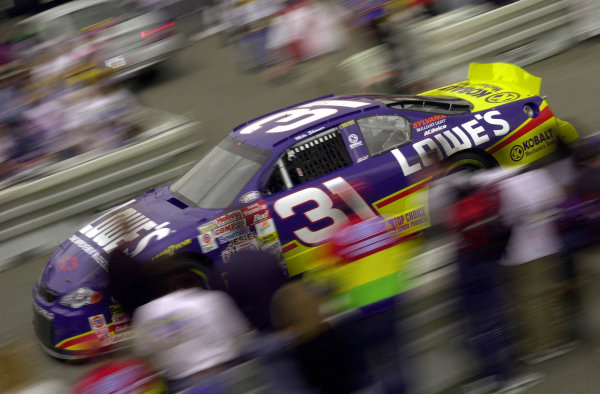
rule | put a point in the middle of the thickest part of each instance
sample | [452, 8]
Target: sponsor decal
[98, 325]
[228, 218]
[122, 332]
[256, 212]
[254, 208]
[258, 217]
[69, 263]
[408, 220]
[207, 226]
[532, 145]
[275, 249]
[242, 241]
[172, 248]
[517, 152]
[265, 227]
[349, 123]
[434, 130]
[228, 238]
[207, 242]
[426, 123]
[268, 239]
[89, 250]
[472, 133]
[250, 197]
[503, 97]
[478, 90]
[123, 227]
[118, 315]
[362, 158]
[227, 254]
[97, 322]
[229, 228]
[354, 141]
[247, 246]
[43, 312]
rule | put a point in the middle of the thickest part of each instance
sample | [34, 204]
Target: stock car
[284, 182]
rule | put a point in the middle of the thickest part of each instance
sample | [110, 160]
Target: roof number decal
[301, 116]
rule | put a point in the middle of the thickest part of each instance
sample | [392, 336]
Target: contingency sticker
[98, 325]
[265, 227]
[118, 314]
[207, 241]
[256, 212]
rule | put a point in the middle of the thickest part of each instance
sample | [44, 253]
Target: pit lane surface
[203, 81]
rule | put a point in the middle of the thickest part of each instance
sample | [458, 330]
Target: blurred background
[85, 81]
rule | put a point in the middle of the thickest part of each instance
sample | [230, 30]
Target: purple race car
[285, 181]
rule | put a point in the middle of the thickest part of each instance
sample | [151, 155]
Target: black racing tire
[470, 161]
[206, 273]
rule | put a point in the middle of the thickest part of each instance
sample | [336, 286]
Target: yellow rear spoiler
[491, 84]
[506, 74]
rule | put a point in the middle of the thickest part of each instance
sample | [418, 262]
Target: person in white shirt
[529, 204]
[189, 334]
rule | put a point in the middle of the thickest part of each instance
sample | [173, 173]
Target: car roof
[260, 133]
[259, 137]
[62, 10]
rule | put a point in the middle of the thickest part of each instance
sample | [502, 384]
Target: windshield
[219, 177]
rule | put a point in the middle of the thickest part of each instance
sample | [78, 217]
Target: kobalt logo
[532, 145]
[517, 153]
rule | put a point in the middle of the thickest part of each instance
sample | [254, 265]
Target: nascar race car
[284, 182]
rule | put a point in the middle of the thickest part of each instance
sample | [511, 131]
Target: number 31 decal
[324, 209]
[302, 115]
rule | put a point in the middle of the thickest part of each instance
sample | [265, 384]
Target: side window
[309, 159]
[384, 132]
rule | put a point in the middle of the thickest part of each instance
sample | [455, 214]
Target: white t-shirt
[188, 331]
[529, 200]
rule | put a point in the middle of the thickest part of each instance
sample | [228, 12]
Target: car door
[310, 194]
[395, 171]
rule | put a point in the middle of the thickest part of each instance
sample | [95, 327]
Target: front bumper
[69, 334]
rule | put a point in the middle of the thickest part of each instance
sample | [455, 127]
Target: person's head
[252, 279]
[168, 274]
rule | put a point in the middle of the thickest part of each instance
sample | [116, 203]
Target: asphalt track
[202, 80]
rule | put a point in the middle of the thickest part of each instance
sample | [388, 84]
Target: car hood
[154, 222]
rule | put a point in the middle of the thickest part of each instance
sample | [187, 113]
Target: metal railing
[96, 182]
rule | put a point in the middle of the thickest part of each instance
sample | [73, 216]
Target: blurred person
[249, 25]
[190, 335]
[7, 164]
[128, 376]
[365, 279]
[303, 30]
[533, 264]
[255, 280]
[469, 206]
[581, 223]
